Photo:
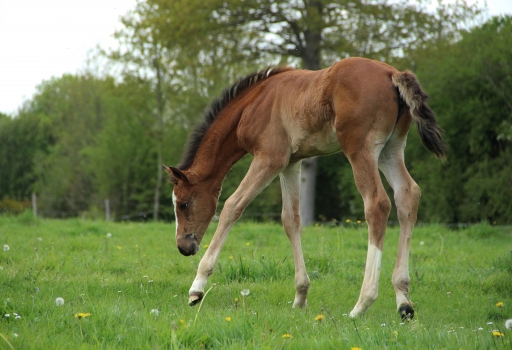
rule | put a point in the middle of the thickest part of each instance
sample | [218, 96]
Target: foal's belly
[320, 143]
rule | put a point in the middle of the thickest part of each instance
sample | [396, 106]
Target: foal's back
[310, 113]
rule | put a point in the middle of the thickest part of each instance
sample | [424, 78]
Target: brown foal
[361, 107]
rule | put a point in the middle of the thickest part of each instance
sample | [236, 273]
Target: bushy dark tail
[430, 133]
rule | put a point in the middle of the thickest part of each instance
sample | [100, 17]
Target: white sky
[40, 39]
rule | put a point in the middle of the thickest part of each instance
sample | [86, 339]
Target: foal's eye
[183, 206]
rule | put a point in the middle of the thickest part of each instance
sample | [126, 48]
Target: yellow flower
[119, 247]
[355, 348]
[319, 317]
[82, 315]
[348, 220]
[228, 319]
[182, 321]
[286, 335]
[248, 243]
[395, 333]
[497, 334]
[358, 221]
[231, 256]
[206, 246]
[500, 304]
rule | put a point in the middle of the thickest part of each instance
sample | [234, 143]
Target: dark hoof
[406, 312]
[193, 299]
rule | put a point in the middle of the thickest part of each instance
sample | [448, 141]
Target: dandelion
[383, 325]
[154, 312]
[119, 247]
[286, 335]
[81, 315]
[395, 333]
[206, 246]
[6, 248]
[319, 318]
[358, 221]
[108, 235]
[231, 256]
[245, 292]
[499, 304]
[355, 348]
[508, 324]
[59, 301]
[182, 321]
[489, 322]
[15, 335]
[228, 319]
[422, 243]
[248, 243]
[497, 334]
[7, 315]
[39, 239]
[347, 221]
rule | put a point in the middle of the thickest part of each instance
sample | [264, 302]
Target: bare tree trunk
[307, 190]
[159, 135]
[310, 55]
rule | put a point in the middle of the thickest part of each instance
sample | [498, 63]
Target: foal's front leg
[260, 174]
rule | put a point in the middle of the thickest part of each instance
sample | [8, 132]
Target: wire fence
[96, 208]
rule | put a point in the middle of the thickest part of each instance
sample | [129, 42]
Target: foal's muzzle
[187, 244]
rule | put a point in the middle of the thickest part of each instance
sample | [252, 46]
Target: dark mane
[218, 105]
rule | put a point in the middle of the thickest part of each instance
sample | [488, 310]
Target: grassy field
[134, 284]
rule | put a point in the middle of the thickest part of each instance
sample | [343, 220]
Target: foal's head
[194, 207]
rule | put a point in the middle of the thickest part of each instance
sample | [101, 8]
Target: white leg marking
[370, 288]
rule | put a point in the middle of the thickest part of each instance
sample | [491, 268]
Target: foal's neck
[219, 149]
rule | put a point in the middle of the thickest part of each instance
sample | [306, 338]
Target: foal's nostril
[189, 247]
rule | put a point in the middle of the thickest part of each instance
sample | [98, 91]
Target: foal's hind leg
[290, 187]
[376, 208]
[407, 196]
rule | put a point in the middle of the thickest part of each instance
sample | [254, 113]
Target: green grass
[458, 276]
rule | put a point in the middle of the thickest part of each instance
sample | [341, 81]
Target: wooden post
[107, 210]
[34, 204]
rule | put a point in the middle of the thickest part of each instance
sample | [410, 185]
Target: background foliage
[89, 137]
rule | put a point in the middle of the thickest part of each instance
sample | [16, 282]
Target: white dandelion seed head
[39, 239]
[1, 268]
[6, 248]
[59, 301]
[508, 323]
[108, 235]
[480, 329]
[154, 312]
[15, 335]
[7, 315]
[245, 292]
[489, 322]
[422, 243]
[17, 317]
[383, 325]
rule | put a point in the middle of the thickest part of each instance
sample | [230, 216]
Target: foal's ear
[175, 174]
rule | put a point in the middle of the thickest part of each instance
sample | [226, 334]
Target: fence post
[107, 210]
[34, 204]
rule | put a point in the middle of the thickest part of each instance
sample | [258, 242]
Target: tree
[312, 33]
[470, 84]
